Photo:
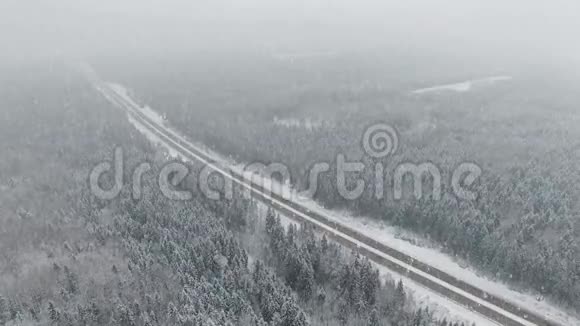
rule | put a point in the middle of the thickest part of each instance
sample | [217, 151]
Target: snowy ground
[387, 234]
[462, 86]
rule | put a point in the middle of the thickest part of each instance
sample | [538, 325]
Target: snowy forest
[69, 258]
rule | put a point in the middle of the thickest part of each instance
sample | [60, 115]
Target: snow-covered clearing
[463, 86]
[307, 123]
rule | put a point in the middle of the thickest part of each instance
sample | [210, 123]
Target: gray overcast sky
[117, 27]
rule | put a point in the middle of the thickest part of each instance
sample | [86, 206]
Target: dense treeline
[214, 283]
[523, 227]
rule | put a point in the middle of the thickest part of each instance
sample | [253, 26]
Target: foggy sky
[29, 29]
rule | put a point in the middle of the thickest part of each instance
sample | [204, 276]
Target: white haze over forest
[531, 31]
